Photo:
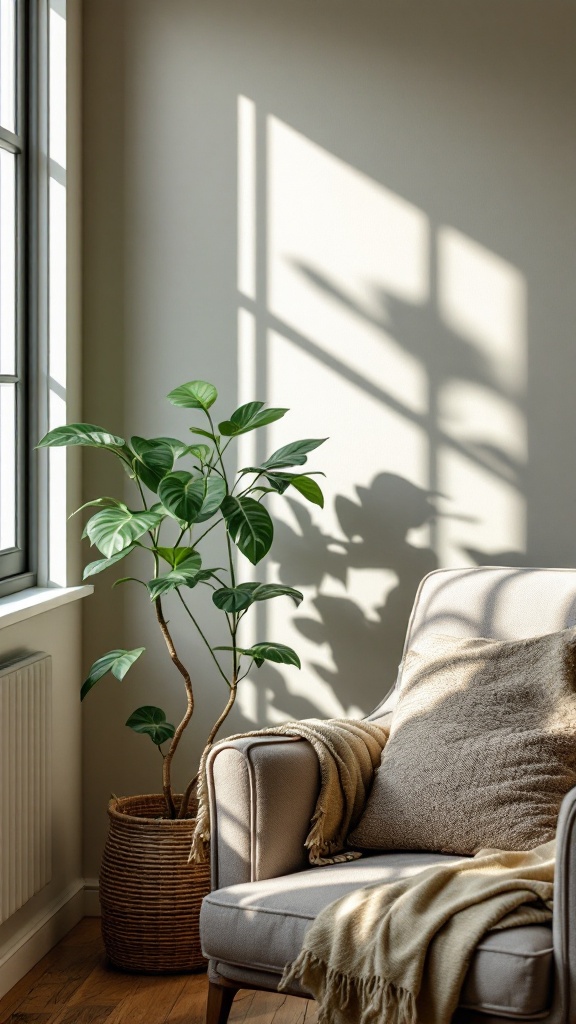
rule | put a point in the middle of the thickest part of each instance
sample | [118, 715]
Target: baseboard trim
[40, 935]
[91, 898]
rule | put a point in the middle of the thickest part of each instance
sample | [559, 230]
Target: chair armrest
[263, 793]
[564, 917]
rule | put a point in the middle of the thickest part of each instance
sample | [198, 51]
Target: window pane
[7, 262]
[8, 64]
[7, 466]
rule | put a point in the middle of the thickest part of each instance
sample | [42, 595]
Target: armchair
[263, 792]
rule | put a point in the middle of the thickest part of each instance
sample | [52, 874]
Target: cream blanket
[397, 953]
[348, 754]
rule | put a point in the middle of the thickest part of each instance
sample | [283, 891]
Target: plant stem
[234, 626]
[209, 743]
[166, 767]
[206, 641]
[202, 535]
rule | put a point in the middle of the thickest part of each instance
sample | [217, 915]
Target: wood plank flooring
[74, 984]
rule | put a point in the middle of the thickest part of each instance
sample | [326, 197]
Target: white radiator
[25, 780]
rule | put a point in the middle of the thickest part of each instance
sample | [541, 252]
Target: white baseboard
[40, 935]
[91, 898]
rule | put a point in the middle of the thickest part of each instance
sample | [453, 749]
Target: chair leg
[219, 1004]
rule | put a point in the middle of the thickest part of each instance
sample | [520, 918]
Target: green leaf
[179, 448]
[152, 722]
[279, 482]
[154, 459]
[200, 451]
[236, 599]
[176, 556]
[113, 529]
[99, 502]
[128, 579]
[204, 433]
[177, 578]
[117, 662]
[249, 526]
[278, 653]
[192, 499]
[293, 454]
[182, 494]
[309, 488]
[214, 494]
[196, 394]
[249, 417]
[80, 434]
[104, 563]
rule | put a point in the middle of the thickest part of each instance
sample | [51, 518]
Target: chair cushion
[261, 925]
[482, 747]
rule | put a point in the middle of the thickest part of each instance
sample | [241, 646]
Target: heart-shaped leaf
[214, 494]
[196, 394]
[80, 434]
[113, 529]
[249, 526]
[293, 454]
[236, 599]
[104, 563]
[186, 557]
[151, 721]
[182, 494]
[249, 417]
[309, 489]
[192, 499]
[117, 662]
[178, 448]
[154, 459]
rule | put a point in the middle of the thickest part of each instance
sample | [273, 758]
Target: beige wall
[405, 259]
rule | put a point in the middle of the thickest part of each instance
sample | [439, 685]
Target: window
[15, 554]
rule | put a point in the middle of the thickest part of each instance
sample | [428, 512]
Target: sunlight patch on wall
[246, 197]
[404, 342]
[340, 247]
[364, 435]
[482, 298]
[246, 449]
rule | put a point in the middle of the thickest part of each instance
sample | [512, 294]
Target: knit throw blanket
[348, 755]
[397, 953]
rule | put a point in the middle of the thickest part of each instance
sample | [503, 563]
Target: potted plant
[150, 893]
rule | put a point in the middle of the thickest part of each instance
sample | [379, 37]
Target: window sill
[17, 607]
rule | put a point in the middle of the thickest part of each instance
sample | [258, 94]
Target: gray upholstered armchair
[263, 792]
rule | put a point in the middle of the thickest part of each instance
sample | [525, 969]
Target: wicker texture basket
[150, 895]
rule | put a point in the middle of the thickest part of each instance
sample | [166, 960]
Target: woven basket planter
[149, 894]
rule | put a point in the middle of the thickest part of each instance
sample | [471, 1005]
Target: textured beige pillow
[482, 747]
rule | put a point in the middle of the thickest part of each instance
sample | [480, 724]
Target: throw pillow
[482, 747]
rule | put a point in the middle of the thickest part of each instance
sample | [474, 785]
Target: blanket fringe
[378, 999]
[200, 849]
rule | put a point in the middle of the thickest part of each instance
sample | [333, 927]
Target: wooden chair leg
[219, 1004]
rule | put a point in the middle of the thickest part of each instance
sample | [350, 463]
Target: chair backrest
[490, 601]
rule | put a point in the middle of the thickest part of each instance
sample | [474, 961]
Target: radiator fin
[25, 780]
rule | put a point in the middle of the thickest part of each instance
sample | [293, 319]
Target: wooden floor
[74, 984]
